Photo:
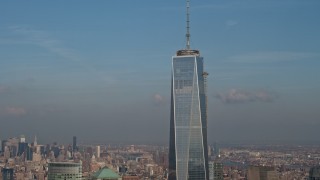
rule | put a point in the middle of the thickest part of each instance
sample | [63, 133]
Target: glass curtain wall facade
[188, 151]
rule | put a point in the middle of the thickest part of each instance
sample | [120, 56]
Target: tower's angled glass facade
[188, 156]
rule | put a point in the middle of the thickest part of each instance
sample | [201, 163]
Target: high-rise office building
[74, 144]
[29, 153]
[188, 152]
[215, 170]
[98, 151]
[22, 147]
[314, 173]
[3, 144]
[35, 141]
[7, 173]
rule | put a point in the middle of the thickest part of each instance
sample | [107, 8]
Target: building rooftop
[188, 52]
[105, 173]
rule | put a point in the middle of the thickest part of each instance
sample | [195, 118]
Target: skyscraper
[188, 151]
[98, 151]
[314, 173]
[74, 143]
[215, 170]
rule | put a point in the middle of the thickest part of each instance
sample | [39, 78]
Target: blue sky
[101, 69]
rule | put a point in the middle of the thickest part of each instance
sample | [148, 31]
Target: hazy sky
[101, 70]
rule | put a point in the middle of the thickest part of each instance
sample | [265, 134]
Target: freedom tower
[188, 150]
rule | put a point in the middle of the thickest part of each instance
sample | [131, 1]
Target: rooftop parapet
[186, 52]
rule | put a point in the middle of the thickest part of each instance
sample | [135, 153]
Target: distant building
[74, 144]
[262, 173]
[12, 145]
[98, 152]
[89, 151]
[22, 139]
[7, 173]
[39, 176]
[22, 148]
[64, 170]
[29, 153]
[122, 169]
[314, 173]
[130, 177]
[6, 152]
[20, 176]
[216, 150]
[215, 170]
[35, 141]
[3, 145]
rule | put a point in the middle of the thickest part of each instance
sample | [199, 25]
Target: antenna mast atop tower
[187, 51]
[188, 25]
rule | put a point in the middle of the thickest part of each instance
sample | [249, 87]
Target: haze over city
[102, 70]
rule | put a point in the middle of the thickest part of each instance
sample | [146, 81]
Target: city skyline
[101, 71]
